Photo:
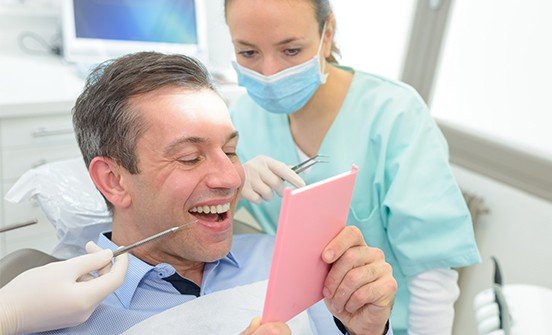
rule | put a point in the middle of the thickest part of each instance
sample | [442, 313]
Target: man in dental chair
[160, 147]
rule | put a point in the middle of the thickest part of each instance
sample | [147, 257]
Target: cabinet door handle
[44, 132]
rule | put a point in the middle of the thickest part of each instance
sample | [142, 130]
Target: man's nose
[224, 173]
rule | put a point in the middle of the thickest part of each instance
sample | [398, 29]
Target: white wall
[495, 73]
[518, 231]
[373, 35]
[221, 51]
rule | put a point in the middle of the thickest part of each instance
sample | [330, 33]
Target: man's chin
[214, 252]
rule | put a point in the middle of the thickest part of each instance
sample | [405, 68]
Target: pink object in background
[310, 218]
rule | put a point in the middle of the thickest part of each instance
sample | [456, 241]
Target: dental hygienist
[300, 103]
[60, 294]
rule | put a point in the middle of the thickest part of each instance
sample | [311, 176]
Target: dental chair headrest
[70, 201]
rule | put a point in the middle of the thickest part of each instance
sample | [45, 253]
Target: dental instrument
[128, 248]
[309, 163]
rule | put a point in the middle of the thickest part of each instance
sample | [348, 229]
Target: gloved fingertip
[92, 247]
[488, 325]
[256, 200]
[123, 257]
[297, 185]
[93, 261]
[297, 181]
[251, 197]
[267, 197]
[121, 264]
[108, 252]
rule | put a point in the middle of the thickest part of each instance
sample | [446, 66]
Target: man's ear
[106, 175]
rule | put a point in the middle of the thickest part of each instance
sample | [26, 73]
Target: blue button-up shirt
[145, 292]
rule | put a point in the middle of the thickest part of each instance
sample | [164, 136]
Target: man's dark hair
[105, 123]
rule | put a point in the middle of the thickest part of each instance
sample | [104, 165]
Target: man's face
[188, 171]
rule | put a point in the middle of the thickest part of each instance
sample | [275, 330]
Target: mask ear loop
[322, 66]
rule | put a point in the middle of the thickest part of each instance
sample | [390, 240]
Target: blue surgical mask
[287, 91]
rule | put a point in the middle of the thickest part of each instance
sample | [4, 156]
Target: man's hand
[360, 288]
[255, 328]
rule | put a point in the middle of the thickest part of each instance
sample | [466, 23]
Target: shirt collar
[232, 259]
[138, 269]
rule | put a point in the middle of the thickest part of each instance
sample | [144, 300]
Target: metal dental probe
[128, 248]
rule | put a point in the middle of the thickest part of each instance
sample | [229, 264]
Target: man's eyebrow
[174, 145]
[234, 135]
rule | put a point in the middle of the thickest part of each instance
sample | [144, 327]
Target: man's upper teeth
[218, 209]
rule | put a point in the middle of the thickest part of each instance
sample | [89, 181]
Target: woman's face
[272, 35]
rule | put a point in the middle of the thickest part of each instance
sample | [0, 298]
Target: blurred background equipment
[512, 309]
[94, 31]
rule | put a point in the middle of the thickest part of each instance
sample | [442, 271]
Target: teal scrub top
[406, 200]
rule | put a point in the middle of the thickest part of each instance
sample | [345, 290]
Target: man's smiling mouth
[214, 213]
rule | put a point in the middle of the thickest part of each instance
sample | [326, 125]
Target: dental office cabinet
[36, 97]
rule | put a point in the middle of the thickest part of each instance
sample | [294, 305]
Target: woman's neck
[310, 124]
